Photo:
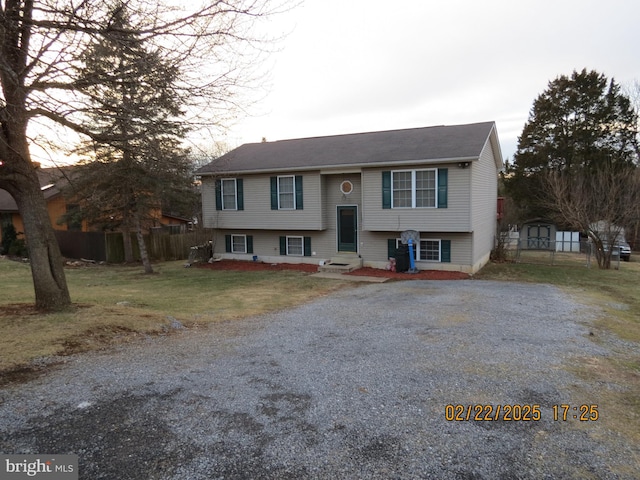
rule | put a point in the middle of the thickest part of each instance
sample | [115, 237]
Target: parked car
[621, 249]
[624, 250]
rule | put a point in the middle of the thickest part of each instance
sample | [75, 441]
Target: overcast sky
[351, 66]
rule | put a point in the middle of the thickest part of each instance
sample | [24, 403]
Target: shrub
[11, 244]
[18, 248]
[9, 235]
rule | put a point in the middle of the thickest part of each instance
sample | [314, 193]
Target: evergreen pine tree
[138, 163]
[578, 124]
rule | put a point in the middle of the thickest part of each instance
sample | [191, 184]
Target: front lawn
[120, 304]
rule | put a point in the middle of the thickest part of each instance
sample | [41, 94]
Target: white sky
[353, 66]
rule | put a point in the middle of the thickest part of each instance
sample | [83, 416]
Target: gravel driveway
[353, 385]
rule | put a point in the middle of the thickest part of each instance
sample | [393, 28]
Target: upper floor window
[414, 189]
[229, 200]
[229, 194]
[424, 188]
[286, 192]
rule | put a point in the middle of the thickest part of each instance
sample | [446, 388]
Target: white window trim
[235, 196]
[293, 177]
[439, 250]
[233, 243]
[301, 244]
[413, 186]
[417, 254]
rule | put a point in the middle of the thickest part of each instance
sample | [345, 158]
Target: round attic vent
[346, 187]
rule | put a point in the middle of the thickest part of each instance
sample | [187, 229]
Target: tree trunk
[128, 245]
[47, 268]
[144, 255]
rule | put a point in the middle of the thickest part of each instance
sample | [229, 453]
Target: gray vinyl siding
[468, 221]
[257, 213]
[455, 218]
[484, 191]
[334, 198]
[374, 247]
[208, 194]
[266, 245]
[264, 242]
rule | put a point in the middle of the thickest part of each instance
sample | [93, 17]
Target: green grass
[119, 304]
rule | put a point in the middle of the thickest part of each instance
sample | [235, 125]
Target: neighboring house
[605, 229]
[52, 181]
[173, 223]
[308, 200]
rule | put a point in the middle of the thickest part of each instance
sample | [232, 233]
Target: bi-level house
[311, 199]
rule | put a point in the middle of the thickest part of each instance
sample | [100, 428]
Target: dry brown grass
[615, 299]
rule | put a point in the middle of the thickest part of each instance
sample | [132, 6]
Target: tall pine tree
[138, 165]
[579, 124]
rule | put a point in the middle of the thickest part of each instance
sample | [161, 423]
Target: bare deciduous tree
[213, 43]
[597, 202]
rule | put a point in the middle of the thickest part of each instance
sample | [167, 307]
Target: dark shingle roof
[416, 144]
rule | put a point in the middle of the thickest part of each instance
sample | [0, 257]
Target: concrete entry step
[350, 278]
[342, 263]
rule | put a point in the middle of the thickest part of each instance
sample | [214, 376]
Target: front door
[348, 229]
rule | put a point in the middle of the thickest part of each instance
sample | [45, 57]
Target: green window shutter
[218, 194]
[298, 187]
[240, 194]
[443, 175]
[249, 243]
[227, 243]
[283, 245]
[307, 246]
[445, 251]
[391, 248]
[274, 193]
[386, 189]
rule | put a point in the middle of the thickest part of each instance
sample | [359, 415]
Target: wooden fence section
[109, 247]
[164, 246]
[88, 245]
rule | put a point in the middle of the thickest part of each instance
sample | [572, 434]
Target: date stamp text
[518, 412]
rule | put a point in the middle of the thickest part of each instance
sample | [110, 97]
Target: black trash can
[402, 258]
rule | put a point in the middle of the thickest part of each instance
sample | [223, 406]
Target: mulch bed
[240, 265]
[420, 275]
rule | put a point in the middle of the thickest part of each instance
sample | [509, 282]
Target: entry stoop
[341, 264]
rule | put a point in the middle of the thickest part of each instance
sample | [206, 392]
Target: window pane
[425, 188]
[430, 250]
[238, 244]
[229, 194]
[294, 246]
[286, 192]
[401, 189]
